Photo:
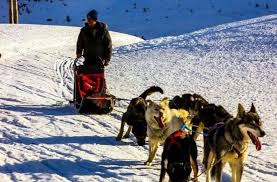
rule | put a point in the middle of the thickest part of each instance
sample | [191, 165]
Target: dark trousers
[96, 65]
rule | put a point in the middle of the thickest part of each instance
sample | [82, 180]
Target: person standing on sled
[94, 43]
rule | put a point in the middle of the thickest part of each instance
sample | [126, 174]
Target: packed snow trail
[44, 139]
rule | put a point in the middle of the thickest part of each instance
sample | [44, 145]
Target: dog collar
[235, 149]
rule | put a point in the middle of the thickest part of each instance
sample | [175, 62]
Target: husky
[207, 117]
[135, 117]
[162, 122]
[179, 157]
[190, 102]
[228, 143]
[204, 115]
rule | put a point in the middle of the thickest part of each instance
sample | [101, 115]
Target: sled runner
[90, 91]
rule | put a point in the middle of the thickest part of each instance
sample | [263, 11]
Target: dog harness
[177, 134]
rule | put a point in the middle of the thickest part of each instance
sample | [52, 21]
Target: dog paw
[147, 163]
[126, 136]
[118, 138]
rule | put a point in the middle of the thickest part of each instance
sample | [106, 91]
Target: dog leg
[149, 153]
[163, 171]
[233, 169]
[239, 171]
[206, 151]
[153, 146]
[218, 171]
[193, 159]
[210, 162]
[194, 168]
[127, 134]
[119, 136]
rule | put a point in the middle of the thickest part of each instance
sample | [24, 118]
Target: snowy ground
[44, 139]
[148, 18]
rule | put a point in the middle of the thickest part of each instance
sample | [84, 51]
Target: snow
[44, 139]
[36, 37]
[147, 18]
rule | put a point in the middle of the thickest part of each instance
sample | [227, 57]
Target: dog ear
[253, 109]
[241, 111]
[149, 102]
[165, 101]
[139, 100]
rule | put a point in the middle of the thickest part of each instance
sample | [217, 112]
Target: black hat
[92, 14]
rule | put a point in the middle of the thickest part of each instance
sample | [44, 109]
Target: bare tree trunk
[13, 11]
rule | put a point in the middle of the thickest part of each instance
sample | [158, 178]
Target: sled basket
[90, 91]
[97, 104]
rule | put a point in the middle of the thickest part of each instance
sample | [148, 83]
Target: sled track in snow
[53, 142]
[81, 142]
[64, 70]
[106, 123]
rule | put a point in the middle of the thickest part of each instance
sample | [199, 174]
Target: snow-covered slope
[44, 139]
[148, 18]
[37, 37]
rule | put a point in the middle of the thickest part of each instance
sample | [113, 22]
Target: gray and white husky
[228, 143]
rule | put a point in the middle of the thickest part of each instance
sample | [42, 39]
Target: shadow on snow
[69, 169]
[41, 110]
[97, 140]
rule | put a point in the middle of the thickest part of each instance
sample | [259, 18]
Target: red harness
[177, 134]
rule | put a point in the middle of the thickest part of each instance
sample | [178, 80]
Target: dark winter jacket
[95, 43]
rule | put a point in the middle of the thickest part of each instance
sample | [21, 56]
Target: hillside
[144, 18]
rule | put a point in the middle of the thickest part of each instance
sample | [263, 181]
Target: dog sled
[90, 91]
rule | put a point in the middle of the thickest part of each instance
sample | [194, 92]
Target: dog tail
[207, 151]
[150, 91]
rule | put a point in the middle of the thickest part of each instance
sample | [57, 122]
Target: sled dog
[207, 117]
[179, 157]
[135, 117]
[161, 122]
[190, 102]
[228, 143]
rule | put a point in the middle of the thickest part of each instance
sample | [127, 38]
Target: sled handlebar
[75, 61]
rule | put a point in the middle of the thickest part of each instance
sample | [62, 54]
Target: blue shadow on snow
[69, 169]
[98, 140]
[41, 110]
